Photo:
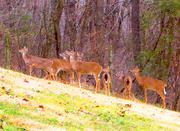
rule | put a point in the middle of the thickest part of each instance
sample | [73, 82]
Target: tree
[135, 23]
[57, 7]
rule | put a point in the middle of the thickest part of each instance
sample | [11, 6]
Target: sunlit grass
[62, 110]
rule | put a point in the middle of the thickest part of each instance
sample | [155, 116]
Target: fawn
[127, 84]
[106, 79]
[83, 67]
[151, 84]
[37, 62]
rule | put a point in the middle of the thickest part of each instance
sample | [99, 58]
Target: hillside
[29, 103]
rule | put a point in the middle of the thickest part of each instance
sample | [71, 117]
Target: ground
[29, 103]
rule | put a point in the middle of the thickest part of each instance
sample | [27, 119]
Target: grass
[63, 111]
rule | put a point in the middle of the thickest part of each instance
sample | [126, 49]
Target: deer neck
[25, 57]
[72, 59]
[138, 77]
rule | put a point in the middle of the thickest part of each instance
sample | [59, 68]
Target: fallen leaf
[128, 105]
[3, 88]
[24, 99]
[41, 106]
[97, 106]
[26, 81]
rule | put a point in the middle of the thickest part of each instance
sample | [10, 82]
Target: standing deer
[37, 62]
[151, 84]
[127, 84]
[106, 79]
[83, 67]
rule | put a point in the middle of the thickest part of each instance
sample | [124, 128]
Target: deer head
[24, 50]
[64, 56]
[135, 70]
[74, 55]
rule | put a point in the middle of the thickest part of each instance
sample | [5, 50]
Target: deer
[127, 85]
[83, 67]
[151, 84]
[37, 62]
[68, 68]
[62, 64]
[106, 80]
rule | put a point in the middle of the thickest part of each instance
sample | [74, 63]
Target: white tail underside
[165, 92]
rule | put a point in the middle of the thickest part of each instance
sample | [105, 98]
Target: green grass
[67, 112]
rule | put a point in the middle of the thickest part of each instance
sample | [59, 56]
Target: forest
[121, 34]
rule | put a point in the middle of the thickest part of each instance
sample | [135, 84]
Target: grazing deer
[69, 67]
[64, 65]
[37, 62]
[83, 67]
[127, 84]
[106, 79]
[152, 84]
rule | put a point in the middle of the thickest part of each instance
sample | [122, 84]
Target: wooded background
[119, 33]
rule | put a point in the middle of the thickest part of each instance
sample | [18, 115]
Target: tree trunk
[57, 7]
[135, 23]
[71, 22]
[174, 72]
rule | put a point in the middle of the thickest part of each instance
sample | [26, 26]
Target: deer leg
[163, 99]
[52, 76]
[47, 75]
[64, 74]
[145, 95]
[96, 88]
[79, 78]
[164, 102]
[129, 93]
[30, 70]
[109, 93]
[97, 83]
[105, 88]
[126, 92]
[72, 77]
[55, 76]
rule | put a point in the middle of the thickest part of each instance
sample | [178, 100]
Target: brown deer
[83, 67]
[68, 68]
[37, 62]
[127, 85]
[151, 84]
[106, 79]
[64, 65]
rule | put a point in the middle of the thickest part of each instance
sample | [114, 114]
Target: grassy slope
[48, 105]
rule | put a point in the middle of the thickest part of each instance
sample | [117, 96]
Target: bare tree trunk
[7, 48]
[57, 7]
[70, 27]
[84, 24]
[174, 72]
[135, 23]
